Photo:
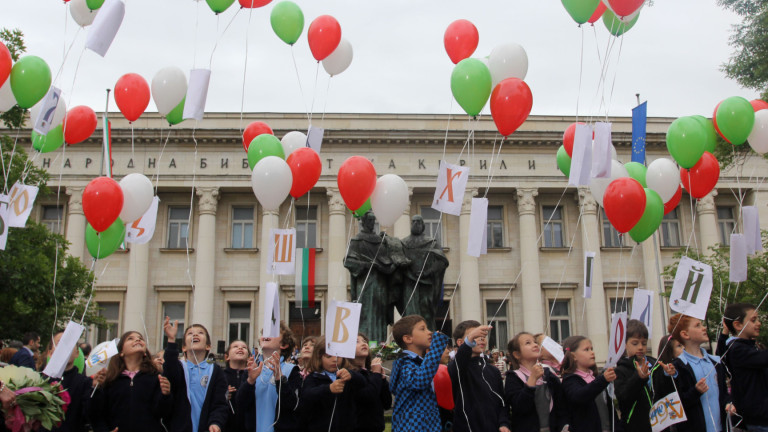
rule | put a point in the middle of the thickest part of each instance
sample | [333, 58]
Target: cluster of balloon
[132, 96]
[84, 11]
[24, 83]
[219, 6]
[618, 15]
[169, 90]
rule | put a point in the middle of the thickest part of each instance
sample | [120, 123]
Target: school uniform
[635, 395]
[372, 400]
[236, 419]
[323, 411]
[130, 403]
[748, 366]
[267, 400]
[189, 382]
[526, 402]
[705, 412]
[583, 392]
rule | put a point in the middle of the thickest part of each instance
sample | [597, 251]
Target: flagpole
[105, 125]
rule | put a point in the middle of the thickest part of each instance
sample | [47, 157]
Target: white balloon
[271, 180]
[137, 196]
[292, 141]
[340, 58]
[663, 176]
[599, 185]
[758, 138]
[169, 86]
[389, 199]
[507, 61]
[80, 12]
[7, 99]
[58, 115]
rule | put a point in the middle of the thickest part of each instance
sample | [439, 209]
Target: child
[669, 349]
[328, 397]
[532, 391]
[79, 388]
[446, 412]
[477, 384]
[307, 345]
[374, 397]
[412, 375]
[133, 396]
[200, 388]
[236, 374]
[701, 378]
[546, 358]
[590, 409]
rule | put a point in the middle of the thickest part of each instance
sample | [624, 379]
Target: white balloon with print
[663, 176]
[758, 138]
[598, 185]
[7, 100]
[58, 115]
[137, 196]
[81, 13]
[169, 86]
[507, 61]
[389, 199]
[271, 180]
[340, 58]
[292, 141]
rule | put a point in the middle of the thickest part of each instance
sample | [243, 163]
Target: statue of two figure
[388, 273]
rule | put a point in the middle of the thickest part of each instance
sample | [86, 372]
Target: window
[670, 229]
[559, 320]
[726, 222]
[239, 322]
[611, 237]
[110, 311]
[178, 227]
[242, 227]
[432, 225]
[621, 304]
[306, 227]
[553, 226]
[499, 336]
[495, 227]
[53, 218]
[174, 311]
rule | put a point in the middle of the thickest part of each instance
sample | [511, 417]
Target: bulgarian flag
[305, 277]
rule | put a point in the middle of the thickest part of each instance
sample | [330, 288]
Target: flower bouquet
[39, 402]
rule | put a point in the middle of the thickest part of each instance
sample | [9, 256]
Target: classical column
[596, 311]
[533, 315]
[337, 246]
[269, 220]
[76, 223]
[402, 227]
[469, 291]
[706, 209]
[136, 291]
[205, 254]
[651, 270]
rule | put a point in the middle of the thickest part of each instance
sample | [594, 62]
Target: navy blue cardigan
[521, 400]
[130, 404]
[691, 398]
[580, 399]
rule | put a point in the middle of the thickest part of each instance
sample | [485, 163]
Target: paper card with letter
[601, 151]
[197, 93]
[617, 341]
[554, 348]
[581, 164]
[752, 229]
[4, 210]
[271, 325]
[102, 353]
[142, 229]
[738, 253]
[315, 138]
[692, 288]
[282, 251]
[478, 224]
[21, 204]
[642, 308]
[57, 364]
[589, 267]
[44, 121]
[105, 26]
[666, 412]
[449, 194]
[341, 325]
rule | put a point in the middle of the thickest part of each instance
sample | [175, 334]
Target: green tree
[748, 64]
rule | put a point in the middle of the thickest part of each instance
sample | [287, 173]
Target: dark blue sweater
[749, 380]
[521, 400]
[130, 404]
[580, 399]
[691, 398]
[372, 400]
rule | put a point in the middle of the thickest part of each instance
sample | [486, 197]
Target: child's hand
[702, 386]
[214, 428]
[504, 429]
[376, 365]
[536, 372]
[337, 386]
[730, 409]
[669, 369]
[343, 375]
[98, 379]
[171, 330]
[254, 370]
[165, 385]
[273, 363]
[610, 375]
[231, 389]
[478, 332]
[642, 369]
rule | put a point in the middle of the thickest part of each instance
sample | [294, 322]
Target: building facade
[538, 227]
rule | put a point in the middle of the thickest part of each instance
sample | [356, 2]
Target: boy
[748, 365]
[477, 385]
[412, 374]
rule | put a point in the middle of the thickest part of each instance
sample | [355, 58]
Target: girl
[200, 387]
[307, 345]
[670, 349]
[236, 374]
[373, 399]
[590, 409]
[133, 396]
[328, 399]
[533, 391]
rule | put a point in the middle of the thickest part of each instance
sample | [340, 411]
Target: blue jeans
[756, 428]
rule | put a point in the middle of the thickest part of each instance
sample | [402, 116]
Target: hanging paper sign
[282, 253]
[271, 325]
[197, 93]
[67, 343]
[22, 199]
[105, 26]
[478, 227]
[554, 348]
[667, 412]
[341, 325]
[449, 194]
[315, 138]
[692, 288]
[601, 151]
[738, 252]
[589, 273]
[102, 353]
[642, 308]
[617, 342]
[4, 199]
[581, 163]
[752, 229]
[44, 120]
[142, 229]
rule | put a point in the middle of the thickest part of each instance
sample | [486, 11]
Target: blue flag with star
[639, 117]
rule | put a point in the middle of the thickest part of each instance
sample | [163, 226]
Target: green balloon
[287, 21]
[581, 10]
[563, 161]
[614, 24]
[711, 133]
[262, 146]
[94, 4]
[30, 80]
[103, 244]
[735, 118]
[50, 141]
[219, 6]
[651, 219]
[685, 141]
[363, 209]
[175, 116]
[80, 361]
[637, 171]
[471, 85]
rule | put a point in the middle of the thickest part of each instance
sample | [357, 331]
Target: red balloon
[623, 8]
[324, 35]
[254, 3]
[511, 102]
[306, 168]
[79, 124]
[714, 122]
[356, 180]
[757, 105]
[460, 40]
[102, 202]
[132, 96]
[568, 136]
[6, 63]
[443, 388]
[598, 12]
[674, 201]
[253, 130]
[702, 178]
[624, 202]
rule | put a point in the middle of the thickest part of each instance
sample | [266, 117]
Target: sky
[671, 57]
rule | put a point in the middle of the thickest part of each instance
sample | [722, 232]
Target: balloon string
[373, 263]
[197, 27]
[66, 55]
[448, 307]
[133, 155]
[314, 93]
[189, 216]
[626, 280]
[245, 70]
[218, 39]
[581, 72]
[160, 158]
[447, 126]
[562, 274]
[692, 236]
[490, 170]
[327, 95]
[301, 89]
[603, 72]
[616, 74]
[10, 161]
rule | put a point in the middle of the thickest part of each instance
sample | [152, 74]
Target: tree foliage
[748, 64]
